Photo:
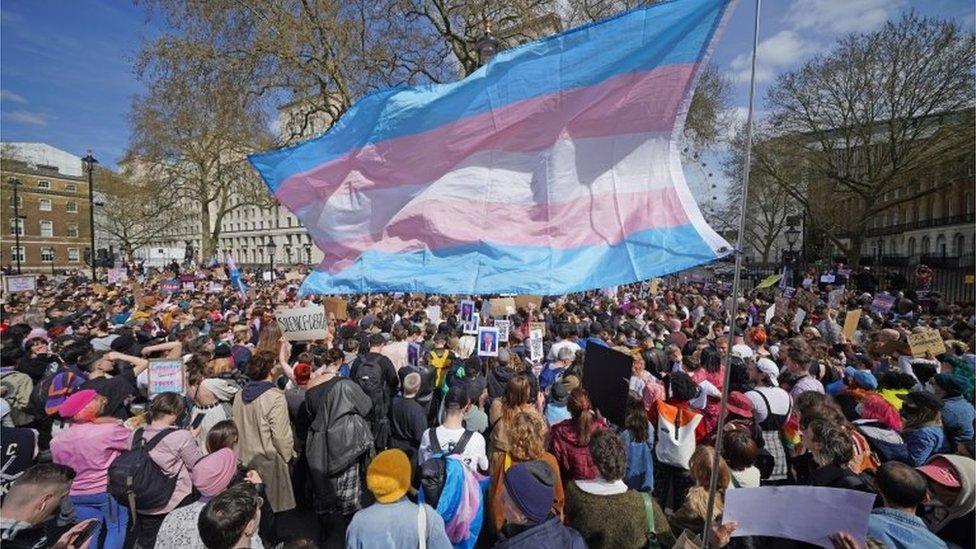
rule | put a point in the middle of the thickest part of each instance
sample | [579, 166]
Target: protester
[951, 510]
[895, 525]
[570, 439]
[922, 421]
[517, 399]
[452, 437]
[394, 521]
[958, 415]
[691, 515]
[526, 497]
[33, 498]
[408, 418]
[638, 439]
[556, 407]
[231, 519]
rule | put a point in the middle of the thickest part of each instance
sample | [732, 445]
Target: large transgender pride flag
[553, 169]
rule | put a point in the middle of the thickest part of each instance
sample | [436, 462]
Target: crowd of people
[392, 431]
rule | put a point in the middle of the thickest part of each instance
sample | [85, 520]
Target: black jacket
[408, 421]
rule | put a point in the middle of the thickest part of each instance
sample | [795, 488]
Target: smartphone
[82, 537]
[197, 421]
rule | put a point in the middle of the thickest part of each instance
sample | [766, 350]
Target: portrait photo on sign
[488, 341]
[466, 311]
[471, 327]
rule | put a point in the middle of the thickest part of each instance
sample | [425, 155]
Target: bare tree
[860, 120]
[191, 131]
[136, 211]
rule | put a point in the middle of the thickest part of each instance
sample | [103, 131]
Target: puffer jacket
[339, 433]
[575, 461]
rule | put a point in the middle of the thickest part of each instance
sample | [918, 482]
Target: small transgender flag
[555, 168]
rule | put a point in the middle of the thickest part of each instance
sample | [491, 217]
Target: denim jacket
[923, 443]
[900, 530]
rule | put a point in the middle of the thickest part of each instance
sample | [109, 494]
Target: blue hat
[531, 486]
[952, 384]
[863, 378]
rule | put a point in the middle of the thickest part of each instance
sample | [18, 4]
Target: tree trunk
[207, 245]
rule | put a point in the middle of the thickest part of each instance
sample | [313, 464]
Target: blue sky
[66, 66]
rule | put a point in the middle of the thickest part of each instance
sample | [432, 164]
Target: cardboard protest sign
[302, 324]
[769, 281]
[504, 327]
[834, 297]
[471, 327]
[19, 283]
[803, 513]
[166, 375]
[293, 275]
[541, 326]
[502, 306]
[926, 341]
[882, 303]
[535, 345]
[606, 377]
[433, 314]
[117, 275]
[850, 323]
[523, 301]
[337, 306]
[487, 341]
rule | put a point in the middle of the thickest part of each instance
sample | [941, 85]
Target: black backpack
[136, 480]
[369, 377]
[433, 472]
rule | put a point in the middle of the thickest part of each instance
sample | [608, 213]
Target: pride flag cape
[555, 168]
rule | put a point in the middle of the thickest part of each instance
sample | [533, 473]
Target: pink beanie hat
[76, 402]
[213, 473]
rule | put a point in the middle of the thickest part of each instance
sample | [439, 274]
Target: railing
[922, 224]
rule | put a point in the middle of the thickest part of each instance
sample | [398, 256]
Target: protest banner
[502, 307]
[337, 306]
[850, 323]
[302, 324]
[535, 345]
[487, 341]
[19, 283]
[170, 286]
[433, 314]
[834, 297]
[117, 275]
[504, 327]
[471, 326]
[925, 341]
[523, 301]
[803, 513]
[606, 377]
[769, 281]
[882, 303]
[166, 375]
[541, 326]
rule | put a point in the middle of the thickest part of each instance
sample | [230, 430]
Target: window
[47, 255]
[74, 255]
[71, 206]
[43, 184]
[17, 254]
[70, 187]
[17, 227]
[47, 228]
[20, 201]
[44, 205]
[73, 230]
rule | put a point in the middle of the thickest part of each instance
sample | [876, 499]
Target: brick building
[53, 209]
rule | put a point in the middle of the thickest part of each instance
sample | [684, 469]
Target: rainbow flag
[555, 168]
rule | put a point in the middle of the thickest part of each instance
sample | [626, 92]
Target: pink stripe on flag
[437, 223]
[638, 102]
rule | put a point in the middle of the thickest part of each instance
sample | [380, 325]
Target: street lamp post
[789, 257]
[18, 225]
[89, 163]
[271, 253]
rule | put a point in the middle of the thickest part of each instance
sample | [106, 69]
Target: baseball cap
[941, 471]
[769, 369]
[742, 351]
[862, 378]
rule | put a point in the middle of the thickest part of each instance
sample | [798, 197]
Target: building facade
[52, 214]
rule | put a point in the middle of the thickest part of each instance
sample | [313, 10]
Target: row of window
[47, 254]
[46, 228]
[69, 187]
[44, 204]
[923, 246]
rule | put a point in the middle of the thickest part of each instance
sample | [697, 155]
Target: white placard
[19, 283]
[504, 326]
[798, 319]
[166, 375]
[434, 314]
[535, 345]
[302, 324]
[117, 275]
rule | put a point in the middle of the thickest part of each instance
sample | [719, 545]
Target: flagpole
[723, 408]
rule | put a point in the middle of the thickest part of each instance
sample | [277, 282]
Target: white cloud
[25, 117]
[7, 95]
[841, 16]
[775, 53]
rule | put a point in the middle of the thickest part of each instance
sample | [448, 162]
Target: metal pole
[723, 408]
[18, 226]
[90, 162]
